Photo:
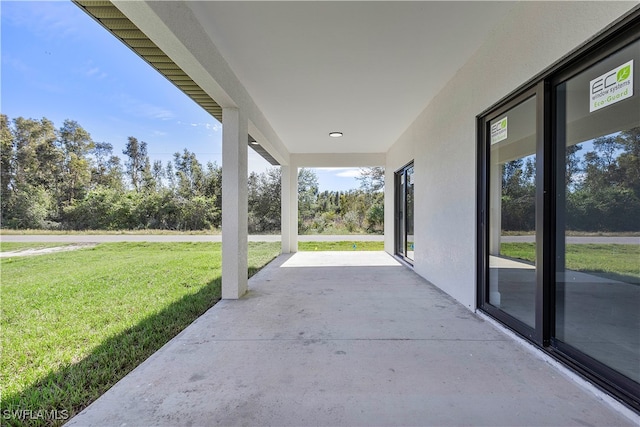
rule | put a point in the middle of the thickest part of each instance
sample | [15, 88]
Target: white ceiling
[363, 68]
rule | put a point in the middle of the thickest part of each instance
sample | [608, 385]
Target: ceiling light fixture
[335, 134]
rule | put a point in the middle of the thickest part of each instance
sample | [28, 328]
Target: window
[559, 212]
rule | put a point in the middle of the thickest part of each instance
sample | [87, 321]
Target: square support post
[285, 209]
[293, 207]
[234, 203]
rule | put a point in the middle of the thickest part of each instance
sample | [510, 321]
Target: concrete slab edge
[583, 383]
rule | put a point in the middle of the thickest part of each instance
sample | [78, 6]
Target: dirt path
[32, 252]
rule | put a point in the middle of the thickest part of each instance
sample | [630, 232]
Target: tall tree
[189, 173]
[158, 174]
[76, 144]
[102, 152]
[107, 170]
[136, 162]
[35, 141]
[572, 165]
[148, 179]
[518, 195]
[372, 184]
[115, 174]
[307, 193]
[6, 163]
[371, 179]
[171, 176]
[213, 183]
[629, 159]
[35, 173]
[264, 200]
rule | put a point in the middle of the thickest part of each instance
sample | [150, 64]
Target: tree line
[602, 187]
[357, 210]
[59, 178]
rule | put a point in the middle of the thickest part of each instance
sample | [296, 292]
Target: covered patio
[347, 338]
[339, 339]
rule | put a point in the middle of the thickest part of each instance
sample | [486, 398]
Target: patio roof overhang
[304, 69]
[112, 19]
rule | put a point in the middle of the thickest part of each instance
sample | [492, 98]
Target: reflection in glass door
[559, 214]
[512, 212]
[597, 281]
[404, 213]
[409, 214]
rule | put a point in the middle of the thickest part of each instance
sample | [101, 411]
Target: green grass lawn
[618, 262]
[340, 246]
[31, 232]
[74, 323]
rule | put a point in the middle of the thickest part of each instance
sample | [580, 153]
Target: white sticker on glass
[499, 130]
[611, 87]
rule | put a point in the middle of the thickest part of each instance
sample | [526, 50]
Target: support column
[234, 203]
[293, 207]
[285, 208]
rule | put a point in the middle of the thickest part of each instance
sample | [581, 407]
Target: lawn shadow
[62, 394]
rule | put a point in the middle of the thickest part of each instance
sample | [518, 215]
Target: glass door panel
[409, 213]
[597, 279]
[512, 212]
[404, 213]
[400, 204]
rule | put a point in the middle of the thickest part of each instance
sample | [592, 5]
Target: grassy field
[38, 232]
[74, 323]
[340, 246]
[618, 262]
[215, 231]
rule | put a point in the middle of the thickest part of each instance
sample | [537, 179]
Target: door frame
[400, 213]
[620, 34]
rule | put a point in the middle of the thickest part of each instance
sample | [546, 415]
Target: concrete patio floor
[346, 339]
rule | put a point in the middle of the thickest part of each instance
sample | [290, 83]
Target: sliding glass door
[597, 245]
[559, 214]
[404, 213]
[512, 211]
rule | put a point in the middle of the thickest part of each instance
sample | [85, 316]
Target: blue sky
[59, 63]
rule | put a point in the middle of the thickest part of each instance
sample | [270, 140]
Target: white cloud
[216, 127]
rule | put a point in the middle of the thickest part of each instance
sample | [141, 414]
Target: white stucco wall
[442, 140]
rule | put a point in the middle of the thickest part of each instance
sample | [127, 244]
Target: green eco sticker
[503, 124]
[624, 73]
